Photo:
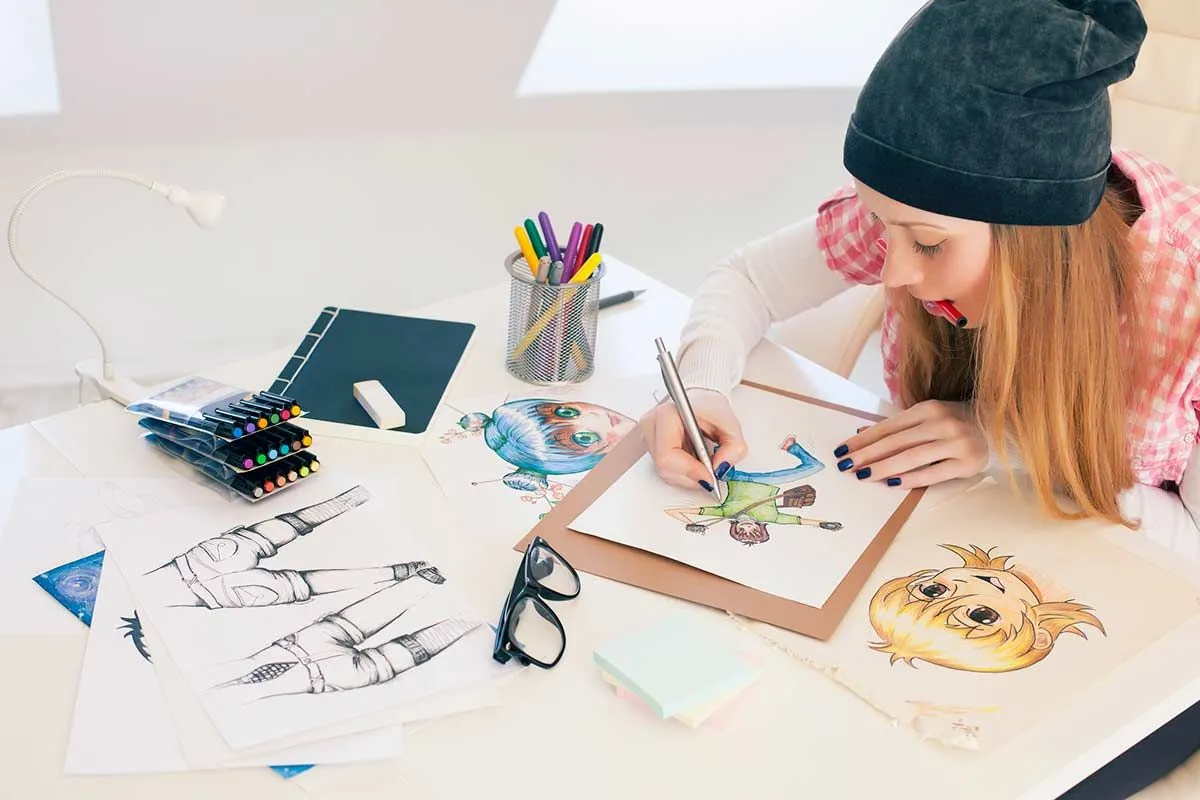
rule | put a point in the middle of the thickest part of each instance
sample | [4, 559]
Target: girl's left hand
[930, 442]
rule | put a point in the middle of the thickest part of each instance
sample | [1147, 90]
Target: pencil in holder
[551, 327]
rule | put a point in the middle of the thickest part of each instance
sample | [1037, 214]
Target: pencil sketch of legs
[327, 656]
[224, 571]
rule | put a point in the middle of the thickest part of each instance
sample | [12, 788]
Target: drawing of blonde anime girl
[985, 616]
[753, 500]
[542, 438]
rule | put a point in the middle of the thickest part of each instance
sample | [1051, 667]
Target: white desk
[562, 732]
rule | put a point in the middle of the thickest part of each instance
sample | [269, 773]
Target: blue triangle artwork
[74, 586]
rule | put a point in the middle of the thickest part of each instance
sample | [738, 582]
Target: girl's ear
[524, 480]
[1042, 640]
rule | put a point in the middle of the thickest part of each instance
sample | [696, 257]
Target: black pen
[619, 297]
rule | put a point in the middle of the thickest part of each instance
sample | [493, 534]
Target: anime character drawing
[754, 500]
[328, 656]
[224, 571]
[983, 616]
[542, 438]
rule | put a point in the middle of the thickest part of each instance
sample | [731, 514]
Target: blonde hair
[913, 628]
[1051, 368]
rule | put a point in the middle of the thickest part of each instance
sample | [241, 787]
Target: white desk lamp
[205, 210]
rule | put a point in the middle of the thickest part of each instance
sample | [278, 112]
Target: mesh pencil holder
[551, 328]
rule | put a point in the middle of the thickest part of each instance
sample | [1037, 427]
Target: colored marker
[302, 437]
[260, 421]
[572, 251]
[274, 406]
[587, 269]
[229, 420]
[295, 407]
[216, 427]
[244, 486]
[946, 309]
[531, 258]
[281, 442]
[585, 243]
[309, 460]
[535, 240]
[551, 241]
[271, 412]
[253, 414]
[237, 458]
[556, 273]
[236, 420]
[597, 234]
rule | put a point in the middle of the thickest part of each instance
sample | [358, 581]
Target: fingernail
[845, 464]
[706, 486]
[865, 472]
[893, 481]
[841, 451]
[722, 468]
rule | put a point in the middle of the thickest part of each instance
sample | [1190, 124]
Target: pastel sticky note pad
[694, 717]
[675, 666]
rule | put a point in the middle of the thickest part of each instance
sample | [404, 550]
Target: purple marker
[548, 232]
[572, 251]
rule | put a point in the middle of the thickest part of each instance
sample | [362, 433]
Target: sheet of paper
[202, 743]
[791, 525]
[986, 616]
[517, 455]
[326, 605]
[53, 520]
[121, 723]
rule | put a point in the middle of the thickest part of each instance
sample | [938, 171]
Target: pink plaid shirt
[1163, 422]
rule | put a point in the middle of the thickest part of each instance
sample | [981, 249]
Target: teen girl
[984, 175]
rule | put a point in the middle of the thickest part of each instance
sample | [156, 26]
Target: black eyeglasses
[529, 631]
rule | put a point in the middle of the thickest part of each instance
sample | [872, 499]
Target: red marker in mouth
[947, 310]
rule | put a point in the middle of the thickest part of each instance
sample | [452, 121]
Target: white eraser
[380, 404]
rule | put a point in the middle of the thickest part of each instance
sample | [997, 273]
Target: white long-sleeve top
[778, 276]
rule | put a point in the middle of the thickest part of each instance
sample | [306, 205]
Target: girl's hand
[931, 442]
[667, 442]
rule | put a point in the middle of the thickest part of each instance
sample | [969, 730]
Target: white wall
[376, 224]
[367, 162]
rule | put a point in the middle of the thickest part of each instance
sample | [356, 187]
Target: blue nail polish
[722, 468]
[706, 486]
[841, 451]
[845, 464]
[865, 472]
[893, 481]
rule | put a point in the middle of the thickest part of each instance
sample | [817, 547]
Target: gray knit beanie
[996, 110]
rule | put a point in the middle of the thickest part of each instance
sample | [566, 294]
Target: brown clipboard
[620, 562]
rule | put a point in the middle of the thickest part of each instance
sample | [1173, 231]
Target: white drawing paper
[792, 524]
[122, 725]
[517, 455]
[53, 521]
[329, 604]
[986, 617]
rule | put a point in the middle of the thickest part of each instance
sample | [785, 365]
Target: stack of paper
[304, 631]
[677, 669]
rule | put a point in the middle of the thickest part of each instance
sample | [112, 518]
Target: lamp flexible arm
[173, 193]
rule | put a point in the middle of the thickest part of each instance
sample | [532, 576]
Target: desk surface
[797, 734]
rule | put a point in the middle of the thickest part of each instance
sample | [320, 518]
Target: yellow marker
[587, 269]
[527, 249]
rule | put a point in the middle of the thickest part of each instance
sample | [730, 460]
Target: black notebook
[414, 358]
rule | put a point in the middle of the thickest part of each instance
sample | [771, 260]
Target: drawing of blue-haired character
[542, 438]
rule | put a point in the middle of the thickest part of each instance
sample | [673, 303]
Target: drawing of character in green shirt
[753, 501]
